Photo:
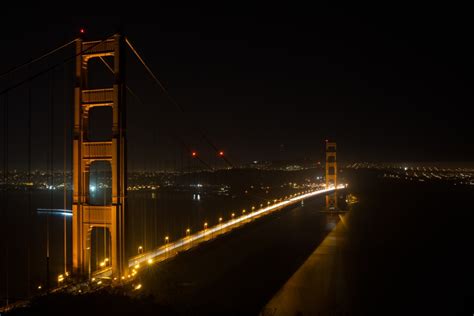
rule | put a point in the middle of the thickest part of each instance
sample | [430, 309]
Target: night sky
[386, 83]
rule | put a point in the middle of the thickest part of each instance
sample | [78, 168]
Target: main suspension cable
[16, 85]
[179, 139]
[158, 82]
[28, 63]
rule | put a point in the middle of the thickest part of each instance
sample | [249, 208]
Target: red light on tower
[82, 31]
[221, 153]
[194, 154]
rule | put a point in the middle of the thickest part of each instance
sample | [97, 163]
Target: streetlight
[232, 215]
[253, 208]
[205, 225]
[60, 279]
[140, 249]
[243, 211]
[220, 220]
[167, 239]
[188, 235]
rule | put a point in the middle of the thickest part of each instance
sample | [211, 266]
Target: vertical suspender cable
[64, 170]
[51, 113]
[29, 189]
[145, 168]
[5, 193]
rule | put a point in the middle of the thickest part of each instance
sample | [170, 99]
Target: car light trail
[54, 211]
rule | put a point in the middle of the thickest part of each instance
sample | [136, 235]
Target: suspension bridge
[67, 151]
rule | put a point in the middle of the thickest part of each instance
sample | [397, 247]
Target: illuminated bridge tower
[85, 152]
[331, 175]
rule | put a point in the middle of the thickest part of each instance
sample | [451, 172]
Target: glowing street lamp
[188, 231]
[232, 215]
[220, 220]
[167, 239]
[205, 225]
[60, 278]
[140, 249]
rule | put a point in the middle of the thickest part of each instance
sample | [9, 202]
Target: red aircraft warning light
[221, 153]
[194, 154]
[82, 31]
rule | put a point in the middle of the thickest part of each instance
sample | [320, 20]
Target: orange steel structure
[331, 174]
[85, 152]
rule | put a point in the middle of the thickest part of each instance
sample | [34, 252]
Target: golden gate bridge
[111, 216]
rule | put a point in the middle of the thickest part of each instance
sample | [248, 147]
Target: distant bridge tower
[331, 175]
[85, 215]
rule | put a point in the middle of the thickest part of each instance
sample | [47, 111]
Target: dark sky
[389, 83]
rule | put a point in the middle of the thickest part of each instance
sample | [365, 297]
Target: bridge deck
[172, 248]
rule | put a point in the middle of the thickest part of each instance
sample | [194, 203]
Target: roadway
[239, 272]
[172, 248]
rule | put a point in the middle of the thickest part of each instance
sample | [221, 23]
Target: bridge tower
[85, 215]
[331, 175]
